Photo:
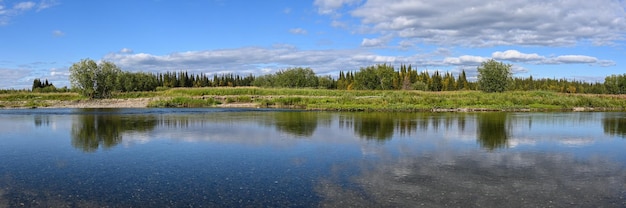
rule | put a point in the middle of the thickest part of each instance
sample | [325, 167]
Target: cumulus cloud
[464, 60]
[573, 59]
[469, 63]
[578, 59]
[477, 23]
[298, 31]
[513, 55]
[533, 58]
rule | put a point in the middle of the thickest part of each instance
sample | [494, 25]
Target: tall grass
[183, 102]
[35, 96]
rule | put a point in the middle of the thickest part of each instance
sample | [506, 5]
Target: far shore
[144, 102]
[327, 100]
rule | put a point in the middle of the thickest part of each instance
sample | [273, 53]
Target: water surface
[274, 158]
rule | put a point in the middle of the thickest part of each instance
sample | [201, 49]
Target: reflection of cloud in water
[483, 180]
[261, 129]
[277, 128]
[572, 141]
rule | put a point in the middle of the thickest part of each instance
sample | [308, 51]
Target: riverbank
[335, 100]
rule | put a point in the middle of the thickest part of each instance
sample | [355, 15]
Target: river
[282, 158]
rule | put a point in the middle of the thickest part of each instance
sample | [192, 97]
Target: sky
[569, 39]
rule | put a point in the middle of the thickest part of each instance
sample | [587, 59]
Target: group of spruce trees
[184, 79]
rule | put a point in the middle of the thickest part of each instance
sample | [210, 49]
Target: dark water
[249, 158]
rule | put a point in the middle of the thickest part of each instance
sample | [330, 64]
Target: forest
[99, 80]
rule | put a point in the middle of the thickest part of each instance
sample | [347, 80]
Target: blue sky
[572, 39]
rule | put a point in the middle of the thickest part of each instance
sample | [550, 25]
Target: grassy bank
[316, 99]
[400, 100]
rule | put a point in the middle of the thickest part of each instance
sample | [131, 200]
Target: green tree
[436, 82]
[37, 84]
[615, 84]
[494, 76]
[267, 80]
[326, 82]
[379, 77]
[296, 78]
[462, 83]
[94, 80]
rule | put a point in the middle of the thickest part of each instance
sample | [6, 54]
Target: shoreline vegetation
[374, 88]
[327, 100]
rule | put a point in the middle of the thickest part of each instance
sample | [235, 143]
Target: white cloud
[338, 24]
[532, 58]
[329, 6]
[465, 60]
[298, 31]
[578, 59]
[513, 55]
[126, 50]
[606, 63]
[573, 59]
[58, 33]
[374, 42]
[478, 23]
[23, 6]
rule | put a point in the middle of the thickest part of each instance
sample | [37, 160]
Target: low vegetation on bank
[342, 100]
[368, 100]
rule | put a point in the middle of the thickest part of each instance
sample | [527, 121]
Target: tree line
[99, 80]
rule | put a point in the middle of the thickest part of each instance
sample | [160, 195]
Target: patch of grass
[244, 99]
[183, 102]
[229, 100]
[28, 96]
[126, 95]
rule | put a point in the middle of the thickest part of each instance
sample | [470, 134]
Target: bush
[494, 76]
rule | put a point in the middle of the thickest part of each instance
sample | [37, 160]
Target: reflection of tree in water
[376, 126]
[42, 120]
[296, 123]
[492, 130]
[614, 126]
[382, 126]
[96, 129]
